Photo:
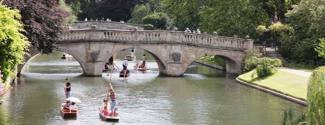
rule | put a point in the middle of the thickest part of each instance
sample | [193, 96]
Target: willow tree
[12, 42]
[316, 98]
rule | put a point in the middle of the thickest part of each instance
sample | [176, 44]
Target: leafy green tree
[307, 20]
[232, 17]
[276, 34]
[116, 10]
[316, 97]
[321, 48]
[158, 20]
[13, 43]
[184, 13]
[71, 18]
[139, 12]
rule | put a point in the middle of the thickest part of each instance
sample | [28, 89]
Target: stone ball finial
[247, 36]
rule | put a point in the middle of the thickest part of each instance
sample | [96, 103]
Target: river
[200, 97]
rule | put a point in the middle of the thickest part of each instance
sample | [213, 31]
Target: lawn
[285, 82]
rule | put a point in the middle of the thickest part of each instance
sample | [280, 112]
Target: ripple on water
[51, 76]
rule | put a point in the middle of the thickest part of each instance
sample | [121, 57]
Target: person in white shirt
[125, 64]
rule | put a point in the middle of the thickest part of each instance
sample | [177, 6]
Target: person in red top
[105, 109]
[112, 97]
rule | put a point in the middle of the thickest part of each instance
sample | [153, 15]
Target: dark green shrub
[250, 61]
[316, 97]
[158, 20]
[267, 66]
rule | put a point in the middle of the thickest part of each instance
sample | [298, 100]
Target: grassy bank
[285, 82]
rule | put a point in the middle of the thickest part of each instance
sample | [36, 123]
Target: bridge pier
[93, 68]
[173, 70]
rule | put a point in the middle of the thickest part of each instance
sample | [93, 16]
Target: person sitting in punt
[106, 67]
[66, 105]
[73, 106]
[105, 109]
[143, 65]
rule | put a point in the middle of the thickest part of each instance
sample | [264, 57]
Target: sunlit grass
[282, 81]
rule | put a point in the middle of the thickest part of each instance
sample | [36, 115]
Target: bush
[251, 60]
[267, 66]
[158, 20]
[316, 97]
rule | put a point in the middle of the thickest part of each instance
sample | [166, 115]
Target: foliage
[43, 21]
[12, 42]
[116, 10]
[158, 20]
[267, 66]
[214, 59]
[184, 13]
[139, 12]
[316, 97]
[71, 18]
[307, 20]
[289, 118]
[251, 60]
[261, 29]
[275, 34]
[232, 17]
[321, 48]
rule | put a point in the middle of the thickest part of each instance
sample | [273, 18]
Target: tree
[116, 10]
[307, 20]
[139, 12]
[43, 21]
[184, 13]
[232, 17]
[158, 20]
[316, 97]
[12, 42]
[321, 48]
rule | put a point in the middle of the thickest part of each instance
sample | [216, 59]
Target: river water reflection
[143, 99]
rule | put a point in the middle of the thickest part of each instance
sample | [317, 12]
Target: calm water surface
[144, 98]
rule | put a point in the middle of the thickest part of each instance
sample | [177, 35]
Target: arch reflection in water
[51, 66]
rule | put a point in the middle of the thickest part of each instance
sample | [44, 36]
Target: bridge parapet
[156, 37]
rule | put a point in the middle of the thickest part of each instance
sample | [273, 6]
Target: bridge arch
[161, 64]
[34, 53]
[232, 59]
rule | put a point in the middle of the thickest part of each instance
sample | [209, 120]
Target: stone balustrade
[156, 37]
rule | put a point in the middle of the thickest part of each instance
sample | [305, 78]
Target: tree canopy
[43, 21]
[12, 42]
[116, 10]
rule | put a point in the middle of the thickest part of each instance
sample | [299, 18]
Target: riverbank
[287, 83]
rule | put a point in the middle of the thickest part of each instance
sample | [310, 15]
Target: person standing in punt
[112, 98]
[67, 89]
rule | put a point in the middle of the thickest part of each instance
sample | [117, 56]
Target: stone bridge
[174, 51]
